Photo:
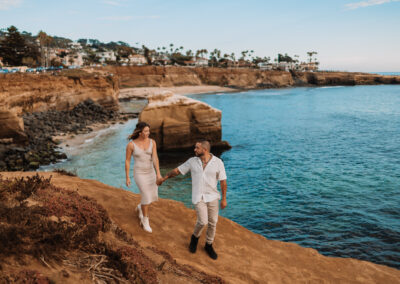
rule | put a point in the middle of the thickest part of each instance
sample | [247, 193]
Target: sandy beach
[142, 93]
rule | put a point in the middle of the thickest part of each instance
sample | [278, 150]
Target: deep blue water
[315, 166]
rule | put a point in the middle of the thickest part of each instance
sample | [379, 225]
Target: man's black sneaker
[210, 251]
[193, 244]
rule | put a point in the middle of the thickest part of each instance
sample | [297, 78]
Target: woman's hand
[160, 180]
[128, 182]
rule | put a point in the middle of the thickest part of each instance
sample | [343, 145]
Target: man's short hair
[205, 144]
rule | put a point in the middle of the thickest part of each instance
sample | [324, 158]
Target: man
[206, 170]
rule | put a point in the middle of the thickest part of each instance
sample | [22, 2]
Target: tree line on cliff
[24, 48]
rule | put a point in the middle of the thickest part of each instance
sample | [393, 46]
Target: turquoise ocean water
[315, 166]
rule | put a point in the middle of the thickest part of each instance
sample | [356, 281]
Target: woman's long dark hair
[138, 129]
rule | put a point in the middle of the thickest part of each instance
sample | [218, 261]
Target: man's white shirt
[204, 182]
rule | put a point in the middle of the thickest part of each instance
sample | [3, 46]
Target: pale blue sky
[348, 35]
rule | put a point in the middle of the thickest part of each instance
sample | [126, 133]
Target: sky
[349, 35]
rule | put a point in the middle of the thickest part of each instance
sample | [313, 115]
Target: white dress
[144, 174]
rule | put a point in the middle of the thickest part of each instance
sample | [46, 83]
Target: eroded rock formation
[11, 126]
[27, 93]
[241, 78]
[177, 122]
[34, 107]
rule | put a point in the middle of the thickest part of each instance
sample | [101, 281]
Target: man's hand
[128, 182]
[224, 203]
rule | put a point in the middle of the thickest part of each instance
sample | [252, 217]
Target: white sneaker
[145, 224]
[139, 212]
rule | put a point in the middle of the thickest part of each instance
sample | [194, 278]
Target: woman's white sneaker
[146, 225]
[139, 212]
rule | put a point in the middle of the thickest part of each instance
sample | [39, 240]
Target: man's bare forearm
[224, 188]
[172, 174]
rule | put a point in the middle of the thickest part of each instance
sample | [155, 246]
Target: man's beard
[198, 154]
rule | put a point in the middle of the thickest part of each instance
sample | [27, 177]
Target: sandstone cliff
[177, 122]
[163, 256]
[342, 78]
[25, 93]
[242, 78]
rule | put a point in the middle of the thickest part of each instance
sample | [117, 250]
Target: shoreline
[70, 143]
[73, 141]
[144, 92]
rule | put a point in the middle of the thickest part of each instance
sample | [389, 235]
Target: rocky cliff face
[158, 76]
[26, 93]
[342, 78]
[177, 122]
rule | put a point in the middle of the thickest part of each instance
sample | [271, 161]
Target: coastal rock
[40, 148]
[240, 78]
[168, 76]
[11, 127]
[177, 122]
[342, 79]
[41, 92]
[33, 107]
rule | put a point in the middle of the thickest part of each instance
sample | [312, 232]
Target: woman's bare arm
[156, 161]
[129, 150]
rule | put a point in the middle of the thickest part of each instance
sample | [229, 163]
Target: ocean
[316, 166]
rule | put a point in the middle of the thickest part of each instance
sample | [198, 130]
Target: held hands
[224, 203]
[160, 180]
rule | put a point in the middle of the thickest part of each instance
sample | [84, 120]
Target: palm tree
[244, 54]
[310, 54]
[233, 57]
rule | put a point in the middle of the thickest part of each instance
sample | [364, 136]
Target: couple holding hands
[206, 170]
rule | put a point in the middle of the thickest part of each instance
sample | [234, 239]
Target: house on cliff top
[137, 59]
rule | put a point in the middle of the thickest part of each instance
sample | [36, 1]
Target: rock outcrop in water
[71, 230]
[177, 122]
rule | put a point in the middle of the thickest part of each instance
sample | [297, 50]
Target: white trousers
[207, 214]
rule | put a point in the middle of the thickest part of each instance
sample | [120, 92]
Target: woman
[144, 152]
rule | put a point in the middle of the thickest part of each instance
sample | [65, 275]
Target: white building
[74, 59]
[201, 62]
[137, 59]
[265, 66]
[308, 66]
[75, 45]
[106, 56]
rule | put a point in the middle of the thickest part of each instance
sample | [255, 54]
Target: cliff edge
[244, 257]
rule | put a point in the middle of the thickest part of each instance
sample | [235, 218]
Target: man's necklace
[205, 163]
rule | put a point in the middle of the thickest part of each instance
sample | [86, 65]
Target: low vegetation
[54, 225]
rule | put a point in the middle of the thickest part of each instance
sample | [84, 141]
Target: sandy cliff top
[244, 257]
